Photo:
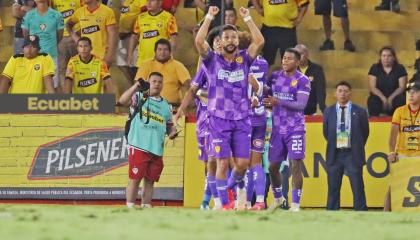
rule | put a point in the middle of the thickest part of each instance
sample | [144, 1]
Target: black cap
[32, 40]
[415, 85]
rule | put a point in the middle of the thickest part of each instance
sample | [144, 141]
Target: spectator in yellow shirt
[66, 47]
[151, 26]
[98, 23]
[31, 72]
[175, 76]
[129, 11]
[280, 20]
[86, 73]
[404, 140]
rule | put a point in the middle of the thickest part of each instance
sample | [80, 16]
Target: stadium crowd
[68, 46]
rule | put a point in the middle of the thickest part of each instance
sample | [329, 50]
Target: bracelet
[199, 92]
[209, 17]
[247, 18]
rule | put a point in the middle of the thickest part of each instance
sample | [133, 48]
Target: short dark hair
[85, 39]
[343, 83]
[163, 41]
[212, 35]
[228, 27]
[232, 9]
[294, 51]
[155, 74]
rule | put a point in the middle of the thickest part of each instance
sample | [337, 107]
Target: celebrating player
[255, 173]
[228, 104]
[290, 89]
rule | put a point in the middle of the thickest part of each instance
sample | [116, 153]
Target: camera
[143, 85]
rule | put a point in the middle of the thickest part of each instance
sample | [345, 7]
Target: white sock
[130, 204]
[146, 206]
[217, 202]
[260, 199]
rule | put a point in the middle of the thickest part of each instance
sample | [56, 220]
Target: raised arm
[125, 99]
[201, 44]
[257, 38]
[189, 96]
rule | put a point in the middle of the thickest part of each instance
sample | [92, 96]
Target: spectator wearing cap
[387, 81]
[19, 10]
[280, 20]
[389, 5]
[404, 138]
[48, 25]
[31, 72]
[316, 75]
[175, 75]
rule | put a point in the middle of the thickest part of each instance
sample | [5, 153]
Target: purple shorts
[229, 138]
[257, 138]
[202, 149]
[290, 145]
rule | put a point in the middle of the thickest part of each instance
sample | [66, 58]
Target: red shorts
[142, 164]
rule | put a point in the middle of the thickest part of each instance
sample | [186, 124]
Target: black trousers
[277, 39]
[343, 163]
[375, 105]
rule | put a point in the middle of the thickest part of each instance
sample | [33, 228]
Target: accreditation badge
[343, 139]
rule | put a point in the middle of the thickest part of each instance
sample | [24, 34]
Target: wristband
[199, 92]
[209, 17]
[247, 18]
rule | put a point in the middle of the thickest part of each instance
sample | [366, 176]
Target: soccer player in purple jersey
[255, 174]
[200, 81]
[228, 105]
[290, 92]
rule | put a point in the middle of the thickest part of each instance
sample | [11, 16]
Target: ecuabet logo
[82, 155]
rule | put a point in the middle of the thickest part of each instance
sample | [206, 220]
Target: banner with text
[82, 157]
[57, 103]
[405, 185]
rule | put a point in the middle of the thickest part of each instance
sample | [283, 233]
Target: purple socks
[222, 191]
[296, 194]
[211, 183]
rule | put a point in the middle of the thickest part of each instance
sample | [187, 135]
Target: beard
[226, 49]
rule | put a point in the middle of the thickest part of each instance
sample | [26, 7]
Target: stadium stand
[370, 30]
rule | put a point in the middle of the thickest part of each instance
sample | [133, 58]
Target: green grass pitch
[51, 222]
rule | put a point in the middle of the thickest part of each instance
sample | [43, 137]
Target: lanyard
[413, 121]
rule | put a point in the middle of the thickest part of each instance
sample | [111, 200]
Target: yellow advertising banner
[405, 185]
[80, 157]
[315, 189]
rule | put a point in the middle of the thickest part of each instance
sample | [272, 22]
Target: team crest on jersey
[93, 74]
[72, 4]
[259, 143]
[239, 60]
[199, 152]
[159, 24]
[135, 170]
[98, 20]
[311, 78]
[37, 67]
[42, 26]
[217, 149]
[294, 83]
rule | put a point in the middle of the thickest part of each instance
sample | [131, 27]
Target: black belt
[343, 149]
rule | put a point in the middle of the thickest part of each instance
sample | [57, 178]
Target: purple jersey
[228, 85]
[259, 70]
[286, 89]
[200, 81]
